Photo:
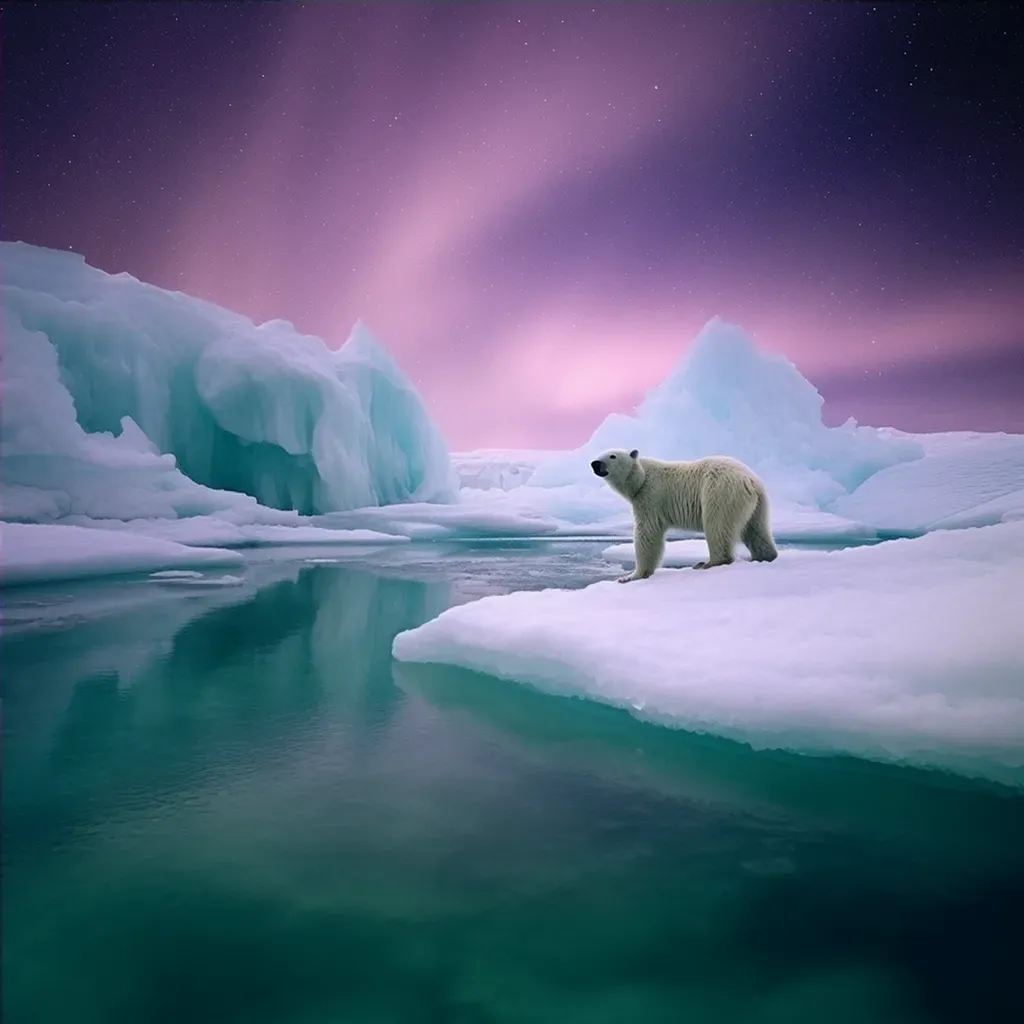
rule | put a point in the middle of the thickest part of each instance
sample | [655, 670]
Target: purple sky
[536, 206]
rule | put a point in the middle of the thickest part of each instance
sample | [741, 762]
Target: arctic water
[228, 803]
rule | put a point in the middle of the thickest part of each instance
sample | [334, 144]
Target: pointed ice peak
[363, 347]
[724, 366]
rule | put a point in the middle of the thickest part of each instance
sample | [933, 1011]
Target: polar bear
[717, 495]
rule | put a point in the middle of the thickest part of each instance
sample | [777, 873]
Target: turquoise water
[229, 804]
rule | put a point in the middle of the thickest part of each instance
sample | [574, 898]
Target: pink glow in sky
[535, 208]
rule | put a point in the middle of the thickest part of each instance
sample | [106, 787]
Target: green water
[229, 804]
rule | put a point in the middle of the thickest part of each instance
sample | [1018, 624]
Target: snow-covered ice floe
[446, 522]
[46, 552]
[217, 532]
[907, 650]
[39, 553]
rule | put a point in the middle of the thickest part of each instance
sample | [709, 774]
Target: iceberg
[841, 484]
[725, 397]
[125, 401]
[908, 650]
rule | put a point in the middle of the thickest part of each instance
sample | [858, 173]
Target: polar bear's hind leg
[721, 538]
[757, 534]
[725, 508]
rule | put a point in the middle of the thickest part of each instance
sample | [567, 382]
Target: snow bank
[469, 520]
[682, 553]
[580, 510]
[678, 554]
[964, 480]
[213, 531]
[38, 553]
[125, 401]
[909, 649]
[497, 468]
[821, 529]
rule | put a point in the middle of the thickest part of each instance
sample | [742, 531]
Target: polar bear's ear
[634, 453]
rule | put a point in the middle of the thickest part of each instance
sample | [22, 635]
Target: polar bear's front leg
[648, 547]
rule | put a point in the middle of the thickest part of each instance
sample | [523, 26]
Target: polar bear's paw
[711, 565]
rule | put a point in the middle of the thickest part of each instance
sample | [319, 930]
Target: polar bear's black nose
[598, 467]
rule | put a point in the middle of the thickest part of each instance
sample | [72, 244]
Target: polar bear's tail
[757, 534]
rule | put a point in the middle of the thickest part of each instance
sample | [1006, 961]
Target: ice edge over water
[908, 650]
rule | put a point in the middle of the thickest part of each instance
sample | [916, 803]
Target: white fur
[718, 496]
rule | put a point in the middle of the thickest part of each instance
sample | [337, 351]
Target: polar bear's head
[616, 466]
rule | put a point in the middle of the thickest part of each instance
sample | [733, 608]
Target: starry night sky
[536, 206]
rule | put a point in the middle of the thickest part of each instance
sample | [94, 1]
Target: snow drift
[124, 401]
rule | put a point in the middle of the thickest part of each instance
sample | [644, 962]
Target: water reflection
[948, 814]
[163, 698]
[235, 806]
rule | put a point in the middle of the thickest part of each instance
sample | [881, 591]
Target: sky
[536, 206]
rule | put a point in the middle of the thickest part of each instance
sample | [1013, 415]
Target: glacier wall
[123, 400]
[725, 397]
